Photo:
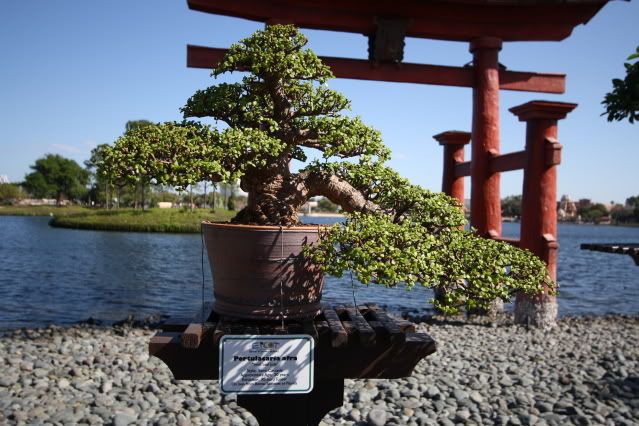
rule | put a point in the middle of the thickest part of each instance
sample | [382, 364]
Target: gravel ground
[585, 371]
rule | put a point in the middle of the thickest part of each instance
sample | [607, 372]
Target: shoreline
[583, 371]
[68, 222]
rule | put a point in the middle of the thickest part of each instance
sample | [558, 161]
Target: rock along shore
[585, 371]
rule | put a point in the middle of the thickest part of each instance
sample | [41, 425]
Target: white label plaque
[264, 364]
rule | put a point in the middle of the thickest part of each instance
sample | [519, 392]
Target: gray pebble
[376, 417]
[123, 419]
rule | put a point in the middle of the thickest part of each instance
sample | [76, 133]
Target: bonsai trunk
[275, 195]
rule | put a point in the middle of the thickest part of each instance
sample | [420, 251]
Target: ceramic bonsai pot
[259, 272]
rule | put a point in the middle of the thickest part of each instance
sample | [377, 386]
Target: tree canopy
[10, 192]
[56, 177]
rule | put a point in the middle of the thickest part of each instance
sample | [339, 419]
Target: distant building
[566, 209]
[4, 179]
[584, 203]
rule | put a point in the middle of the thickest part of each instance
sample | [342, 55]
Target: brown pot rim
[239, 226]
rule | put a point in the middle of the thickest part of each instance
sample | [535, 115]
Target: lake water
[50, 275]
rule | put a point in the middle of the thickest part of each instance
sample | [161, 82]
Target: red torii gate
[485, 25]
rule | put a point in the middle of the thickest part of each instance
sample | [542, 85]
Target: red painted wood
[462, 169]
[462, 20]
[453, 143]
[532, 82]
[359, 69]
[508, 162]
[485, 202]
[539, 203]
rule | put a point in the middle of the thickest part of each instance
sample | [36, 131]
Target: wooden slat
[364, 331]
[160, 340]
[424, 340]
[223, 327]
[251, 329]
[339, 337]
[508, 162]
[309, 328]
[175, 324]
[362, 69]
[393, 330]
[194, 333]
[350, 328]
[379, 328]
[406, 326]
[192, 336]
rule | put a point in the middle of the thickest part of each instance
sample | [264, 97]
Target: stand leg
[295, 410]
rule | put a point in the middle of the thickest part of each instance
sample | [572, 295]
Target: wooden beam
[508, 162]
[461, 20]
[462, 169]
[361, 69]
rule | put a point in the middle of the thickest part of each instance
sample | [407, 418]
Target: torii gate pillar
[453, 142]
[539, 202]
[485, 202]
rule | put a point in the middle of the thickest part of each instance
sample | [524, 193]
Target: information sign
[266, 364]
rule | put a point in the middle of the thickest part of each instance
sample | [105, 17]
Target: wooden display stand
[350, 342]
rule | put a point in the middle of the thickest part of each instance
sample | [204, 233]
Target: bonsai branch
[339, 192]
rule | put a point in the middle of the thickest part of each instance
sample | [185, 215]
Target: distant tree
[58, 177]
[623, 101]
[511, 206]
[10, 192]
[110, 166]
[593, 212]
[632, 201]
[101, 187]
[622, 214]
[162, 193]
[326, 205]
[230, 202]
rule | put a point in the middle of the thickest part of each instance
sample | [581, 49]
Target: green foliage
[182, 154]
[56, 176]
[628, 213]
[397, 232]
[593, 212]
[632, 201]
[472, 271]
[511, 206]
[326, 205]
[136, 124]
[152, 220]
[623, 101]
[10, 192]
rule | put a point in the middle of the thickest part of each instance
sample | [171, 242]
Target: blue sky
[73, 72]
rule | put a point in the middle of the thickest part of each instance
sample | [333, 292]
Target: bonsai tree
[395, 232]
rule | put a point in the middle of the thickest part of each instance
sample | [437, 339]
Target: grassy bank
[153, 220]
[42, 210]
